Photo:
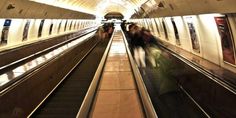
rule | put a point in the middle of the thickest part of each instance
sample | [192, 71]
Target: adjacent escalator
[168, 99]
[67, 98]
[181, 88]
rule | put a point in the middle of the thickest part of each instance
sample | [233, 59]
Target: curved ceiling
[115, 15]
[98, 7]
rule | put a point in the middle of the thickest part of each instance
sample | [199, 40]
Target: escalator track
[67, 98]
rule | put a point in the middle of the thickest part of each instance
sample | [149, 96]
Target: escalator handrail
[205, 72]
[47, 49]
[145, 98]
[39, 41]
[18, 80]
[90, 95]
[66, 76]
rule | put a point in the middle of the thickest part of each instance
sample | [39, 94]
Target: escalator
[180, 88]
[31, 82]
[67, 98]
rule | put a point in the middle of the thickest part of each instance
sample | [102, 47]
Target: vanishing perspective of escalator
[67, 98]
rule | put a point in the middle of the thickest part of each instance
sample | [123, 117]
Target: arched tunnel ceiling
[145, 8]
[97, 7]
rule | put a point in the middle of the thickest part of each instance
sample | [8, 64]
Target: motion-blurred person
[108, 29]
[123, 25]
[138, 45]
[148, 38]
[100, 35]
[130, 32]
[153, 54]
[152, 51]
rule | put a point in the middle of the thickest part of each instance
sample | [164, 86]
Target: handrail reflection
[15, 74]
[145, 98]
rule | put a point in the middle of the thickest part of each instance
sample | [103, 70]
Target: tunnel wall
[59, 27]
[163, 8]
[207, 33]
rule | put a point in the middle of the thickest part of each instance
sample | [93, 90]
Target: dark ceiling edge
[169, 9]
[90, 16]
[33, 10]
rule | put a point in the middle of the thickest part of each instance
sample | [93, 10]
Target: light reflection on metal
[3, 79]
[18, 71]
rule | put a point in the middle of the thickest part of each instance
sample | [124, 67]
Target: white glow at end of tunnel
[102, 7]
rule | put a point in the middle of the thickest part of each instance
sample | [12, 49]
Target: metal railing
[145, 98]
[90, 95]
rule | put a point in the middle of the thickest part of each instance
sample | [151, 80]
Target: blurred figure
[153, 54]
[130, 32]
[138, 45]
[108, 29]
[148, 38]
[123, 25]
[105, 31]
[100, 35]
[152, 51]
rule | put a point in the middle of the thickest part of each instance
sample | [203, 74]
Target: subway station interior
[118, 59]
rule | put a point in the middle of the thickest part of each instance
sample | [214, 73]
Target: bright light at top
[102, 7]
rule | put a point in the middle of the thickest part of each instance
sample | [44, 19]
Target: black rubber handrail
[90, 95]
[142, 90]
[65, 77]
[74, 32]
[227, 85]
[2, 68]
[6, 87]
